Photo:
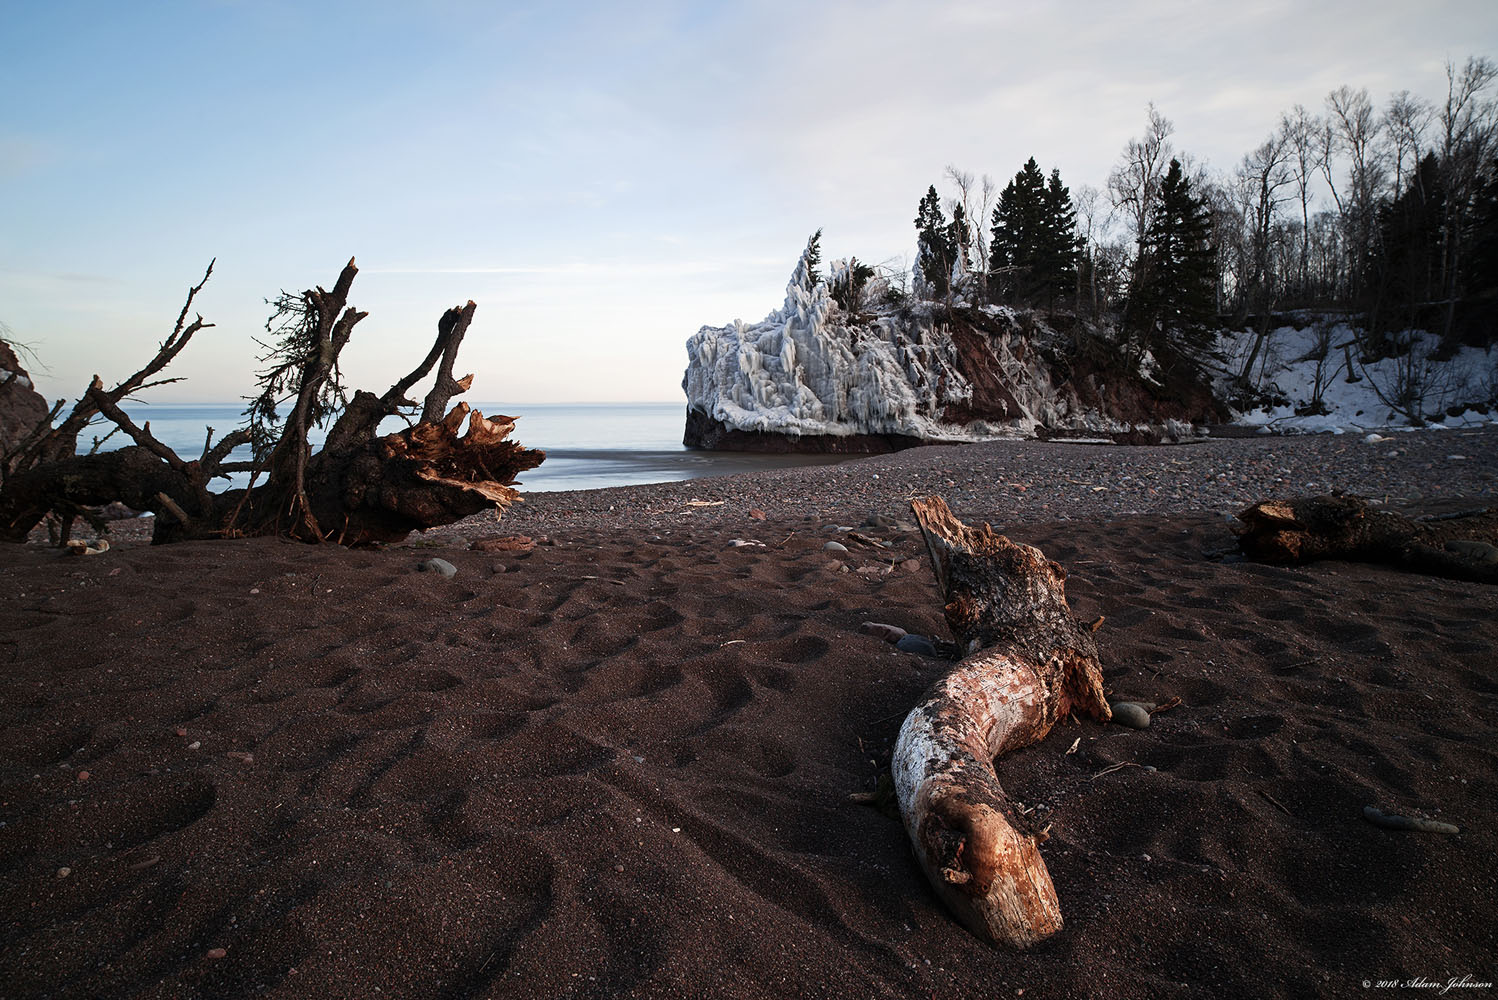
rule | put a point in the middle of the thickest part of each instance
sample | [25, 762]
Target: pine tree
[960, 238]
[1403, 271]
[935, 250]
[1033, 254]
[1481, 279]
[1018, 220]
[1060, 248]
[1174, 297]
[814, 259]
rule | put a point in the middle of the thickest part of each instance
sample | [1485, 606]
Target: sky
[602, 179]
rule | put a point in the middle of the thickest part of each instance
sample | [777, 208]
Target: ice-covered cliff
[813, 376]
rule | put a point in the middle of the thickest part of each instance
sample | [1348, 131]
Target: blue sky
[601, 180]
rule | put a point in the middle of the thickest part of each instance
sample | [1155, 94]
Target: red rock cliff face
[1082, 379]
[21, 406]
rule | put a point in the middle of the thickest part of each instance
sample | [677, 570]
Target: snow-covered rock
[811, 376]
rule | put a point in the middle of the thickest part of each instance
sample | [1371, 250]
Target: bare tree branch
[450, 331]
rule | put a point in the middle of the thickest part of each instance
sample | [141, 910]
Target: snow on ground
[1300, 364]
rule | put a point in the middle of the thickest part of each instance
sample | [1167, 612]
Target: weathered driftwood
[1304, 529]
[359, 488]
[1029, 663]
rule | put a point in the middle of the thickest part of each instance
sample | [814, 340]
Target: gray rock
[878, 521]
[834, 547]
[916, 644]
[1478, 551]
[442, 566]
[1130, 714]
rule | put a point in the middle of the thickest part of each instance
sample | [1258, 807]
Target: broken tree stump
[360, 488]
[1029, 663]
[1462, 546]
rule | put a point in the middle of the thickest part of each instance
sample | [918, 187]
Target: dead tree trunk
[360, 488]
[1029, 663]
[1304, 529]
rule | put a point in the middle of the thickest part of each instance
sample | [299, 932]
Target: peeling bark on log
[1029, 663]
[1304, 529]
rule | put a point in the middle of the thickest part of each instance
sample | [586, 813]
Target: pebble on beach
[1130, 714]
[916, 644]
[834, 547]
[442, 566]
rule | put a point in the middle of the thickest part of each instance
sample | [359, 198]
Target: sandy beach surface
[619, 763]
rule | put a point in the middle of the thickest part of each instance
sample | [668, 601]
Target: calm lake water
[588, 445]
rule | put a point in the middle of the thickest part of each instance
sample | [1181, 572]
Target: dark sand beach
[619, 764]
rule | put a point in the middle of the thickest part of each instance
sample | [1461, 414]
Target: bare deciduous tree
[1469, 133]
[1134, 184]
[1356, 128]
[1406, 118]
[1299, 129]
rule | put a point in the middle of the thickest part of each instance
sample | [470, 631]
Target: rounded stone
[1130, 714]
[442, 566]
[834, 547]
[1477, 551]
[916, 644]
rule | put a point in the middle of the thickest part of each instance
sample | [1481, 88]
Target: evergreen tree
[1174, 298]
[814, 259]
[960, 238]
[1403, 272]
[1018, 220]
[1034, 250]
[935, 250]
[1481, 279]
[1060, 248]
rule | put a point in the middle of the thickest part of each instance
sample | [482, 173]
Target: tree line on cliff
[1385, 215]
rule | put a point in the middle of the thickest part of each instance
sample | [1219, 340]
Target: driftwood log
[1029, 663]
[360, 487]
[1461, 545]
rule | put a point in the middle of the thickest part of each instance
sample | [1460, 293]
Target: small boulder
[1130, 714]
[1480, 552]
[442, 566]
[834, 547]
[918, 644]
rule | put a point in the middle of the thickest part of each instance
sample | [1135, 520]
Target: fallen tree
[1029, 663]
[359, 488]
[1461, 545]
